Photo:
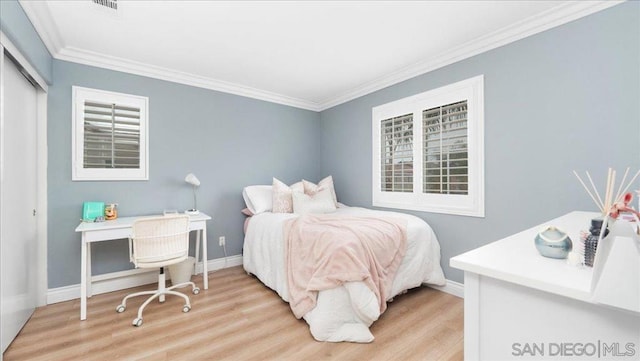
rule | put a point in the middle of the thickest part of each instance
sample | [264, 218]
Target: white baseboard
[137, 277]
[130, 278]
[452, 288]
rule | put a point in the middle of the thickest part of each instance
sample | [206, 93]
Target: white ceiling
[311, 55]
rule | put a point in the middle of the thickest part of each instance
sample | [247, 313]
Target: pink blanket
[325, 251]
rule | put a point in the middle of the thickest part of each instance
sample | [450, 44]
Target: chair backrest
[159, 241]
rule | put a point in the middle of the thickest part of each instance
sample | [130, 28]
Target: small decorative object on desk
[553, 243]
[111, 211]
[623, 209]
[575, 259]
[93, 212]
[591, 240]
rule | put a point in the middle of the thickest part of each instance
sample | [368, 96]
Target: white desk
[121, 228]
[520, 305]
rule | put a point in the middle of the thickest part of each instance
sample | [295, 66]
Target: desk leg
[83, 279]
[195, 264]
[471, 316]
[89, 280]
[205, 272]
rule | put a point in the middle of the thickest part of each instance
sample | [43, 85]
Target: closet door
[18, 187]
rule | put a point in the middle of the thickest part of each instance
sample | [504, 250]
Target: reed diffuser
[607, 205]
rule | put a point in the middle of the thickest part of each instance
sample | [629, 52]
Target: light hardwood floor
[237, 318]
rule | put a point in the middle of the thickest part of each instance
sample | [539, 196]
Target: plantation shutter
[397, 154]
[446, 168]
[111, 135]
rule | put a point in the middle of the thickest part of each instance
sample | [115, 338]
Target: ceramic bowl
[553, 243]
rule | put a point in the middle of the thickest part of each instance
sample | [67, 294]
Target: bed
[343, 313]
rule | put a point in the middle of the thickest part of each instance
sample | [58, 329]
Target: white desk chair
[159, 242]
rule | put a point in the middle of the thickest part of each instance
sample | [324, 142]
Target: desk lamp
[193, 180]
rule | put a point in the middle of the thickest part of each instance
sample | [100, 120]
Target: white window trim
[466, 205]
[79, 173]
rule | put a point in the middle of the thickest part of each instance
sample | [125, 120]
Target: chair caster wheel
[137, 322]
[196, 291]
[186, 308]
[120, 308]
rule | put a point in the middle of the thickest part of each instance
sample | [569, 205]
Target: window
[397, 157]
[446, 166]
[109, 135]
[428, 151]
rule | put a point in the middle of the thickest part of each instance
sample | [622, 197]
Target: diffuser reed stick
[624, 177]
[601, 204]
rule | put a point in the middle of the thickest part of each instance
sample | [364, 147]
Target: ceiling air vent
[111, 4]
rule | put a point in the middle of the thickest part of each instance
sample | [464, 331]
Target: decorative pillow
[326, 183]
[321, 202]
[258, 198]
[247, 212]
[282, 202]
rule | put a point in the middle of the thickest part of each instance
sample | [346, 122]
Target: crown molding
[39, 15]
[43, 22]
[546, 20]
[138, 68]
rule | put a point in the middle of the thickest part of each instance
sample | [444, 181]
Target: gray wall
[561, 100]
[228, 141]
[564, 99]
[15, 24]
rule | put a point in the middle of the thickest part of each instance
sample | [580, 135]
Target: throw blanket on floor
[325, 251]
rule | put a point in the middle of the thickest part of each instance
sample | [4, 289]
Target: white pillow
[258, 199]
[282, 202]
[321, 202]
[326, 183]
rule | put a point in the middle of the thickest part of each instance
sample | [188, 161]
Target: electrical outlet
[221, 241]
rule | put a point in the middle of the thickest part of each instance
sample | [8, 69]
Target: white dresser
[519, 305]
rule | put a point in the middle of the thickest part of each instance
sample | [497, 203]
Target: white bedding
[344, 313]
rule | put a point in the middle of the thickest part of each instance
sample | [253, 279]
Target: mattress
[346, 312]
